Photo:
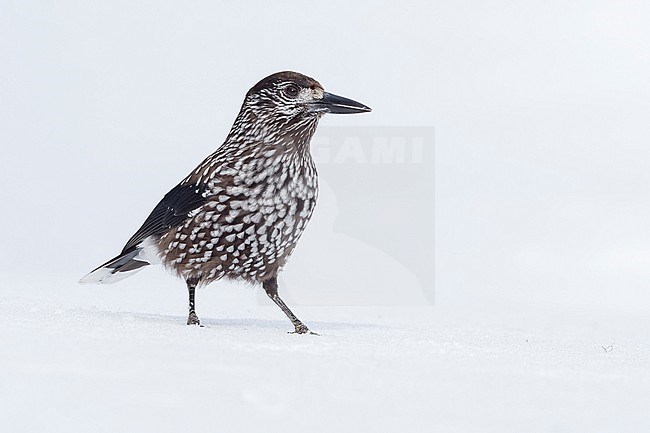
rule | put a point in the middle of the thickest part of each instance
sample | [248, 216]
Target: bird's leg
[192, 319]
[271, 288]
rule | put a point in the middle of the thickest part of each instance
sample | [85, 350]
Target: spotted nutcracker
[240, 213]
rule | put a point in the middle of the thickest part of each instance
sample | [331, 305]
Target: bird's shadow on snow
[233, 323]
[284, 325]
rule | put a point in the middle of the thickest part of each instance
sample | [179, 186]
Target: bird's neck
[289, 134]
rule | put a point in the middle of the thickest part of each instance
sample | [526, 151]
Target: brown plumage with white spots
[240, 213]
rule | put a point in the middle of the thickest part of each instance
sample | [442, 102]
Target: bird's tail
[127, 263]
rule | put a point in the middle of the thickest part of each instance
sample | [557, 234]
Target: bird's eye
[292, 90]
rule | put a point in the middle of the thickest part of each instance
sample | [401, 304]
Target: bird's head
[293, 95]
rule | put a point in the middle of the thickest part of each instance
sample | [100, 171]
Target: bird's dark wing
[172, 210]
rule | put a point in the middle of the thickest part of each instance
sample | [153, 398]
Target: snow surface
[120, 359]
[541, 125]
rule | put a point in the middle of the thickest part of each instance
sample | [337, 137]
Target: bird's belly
[235, 236]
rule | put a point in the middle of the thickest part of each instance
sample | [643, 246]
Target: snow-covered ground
[120, 359]
[541, 212]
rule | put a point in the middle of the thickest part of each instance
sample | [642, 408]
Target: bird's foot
[193, 319]
[302, 329]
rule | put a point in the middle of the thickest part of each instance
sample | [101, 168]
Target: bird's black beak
[339, 105]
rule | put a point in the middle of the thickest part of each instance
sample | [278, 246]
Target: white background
[541, 112]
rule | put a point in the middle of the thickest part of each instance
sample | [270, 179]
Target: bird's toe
[193, 319]
[302, 329]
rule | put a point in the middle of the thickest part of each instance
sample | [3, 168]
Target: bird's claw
[302, 329]
[193, 319]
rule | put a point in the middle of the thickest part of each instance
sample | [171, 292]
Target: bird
[240, 213]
